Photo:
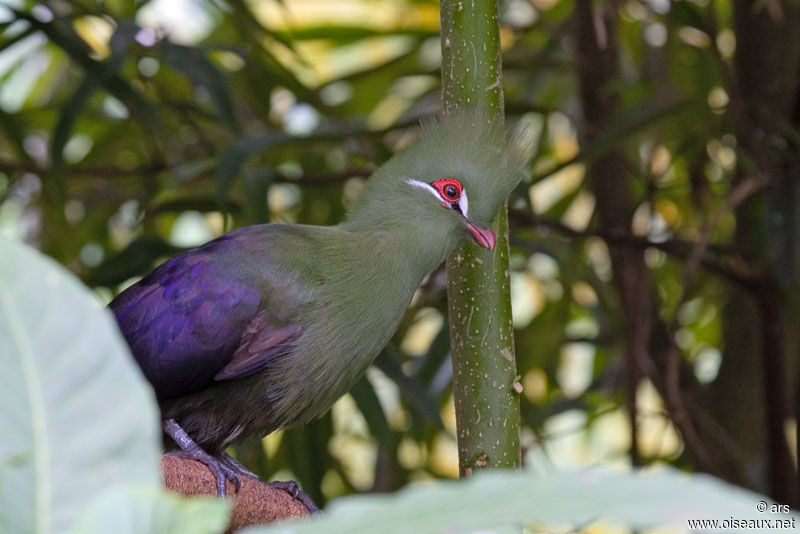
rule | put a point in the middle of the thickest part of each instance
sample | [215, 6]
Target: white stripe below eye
[463, 203]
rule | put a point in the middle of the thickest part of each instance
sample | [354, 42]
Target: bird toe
[291, 487]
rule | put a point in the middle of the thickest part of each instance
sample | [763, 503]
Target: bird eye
[449, 188]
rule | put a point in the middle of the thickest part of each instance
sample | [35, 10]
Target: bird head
[448, 185]
[450, 193]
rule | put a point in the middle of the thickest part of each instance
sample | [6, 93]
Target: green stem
[485, 381]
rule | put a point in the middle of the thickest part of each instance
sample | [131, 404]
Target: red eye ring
[449, 188]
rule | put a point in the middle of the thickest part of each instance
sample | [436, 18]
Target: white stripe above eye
[463, 203]
[423, 185]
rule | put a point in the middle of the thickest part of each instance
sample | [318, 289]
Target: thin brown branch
[743, 191]
[674, 398]
[739, 272]
[149, 169]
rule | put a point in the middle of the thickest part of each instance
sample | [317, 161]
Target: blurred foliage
[80, 424]
[132, 130]
[59, 438]
[593, 501]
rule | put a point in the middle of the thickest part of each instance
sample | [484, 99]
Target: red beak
[482, 236]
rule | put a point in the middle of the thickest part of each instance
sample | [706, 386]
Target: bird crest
[464, 153]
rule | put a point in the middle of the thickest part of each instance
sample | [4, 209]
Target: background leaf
[508, 500]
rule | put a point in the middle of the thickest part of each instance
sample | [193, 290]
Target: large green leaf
[149, 510]
[135, 260]
[195, 64]
[77, 419]
[506, 501]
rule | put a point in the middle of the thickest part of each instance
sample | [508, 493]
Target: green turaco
[266, 326]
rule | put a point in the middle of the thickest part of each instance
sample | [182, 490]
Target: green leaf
[431, 364]
[370, 407]
[232, 160]
[305, 448]
[70, 111]
[77, 417]
[61, 34]
[256, 189]
[506, 500]
[623, 128]
[342, 34]
[414, 391]
[121, 40]
[7, 43]
[13, 128]
[202, 204]
[245, 16]
[149, 510]
[135, 260]
[195, 64]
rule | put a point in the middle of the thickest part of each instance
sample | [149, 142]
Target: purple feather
[185, 320]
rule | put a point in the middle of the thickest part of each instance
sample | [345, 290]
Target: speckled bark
[485, 382]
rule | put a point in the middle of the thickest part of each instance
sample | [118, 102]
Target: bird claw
[227, 468]
[220, 470]
[293, 489]
[223, 469]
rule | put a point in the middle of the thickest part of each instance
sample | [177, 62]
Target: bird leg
[291, 487]
[226, 467]
[189, 449]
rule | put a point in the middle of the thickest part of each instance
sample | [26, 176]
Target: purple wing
[194, 317]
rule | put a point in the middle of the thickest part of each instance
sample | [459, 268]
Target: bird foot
[220, 467]
[221, 472]
[293, 489]
[289, 486]
[237, 467]
[226, 467]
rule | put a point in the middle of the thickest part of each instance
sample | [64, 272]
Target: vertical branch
[485, 383]
[764, 85]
